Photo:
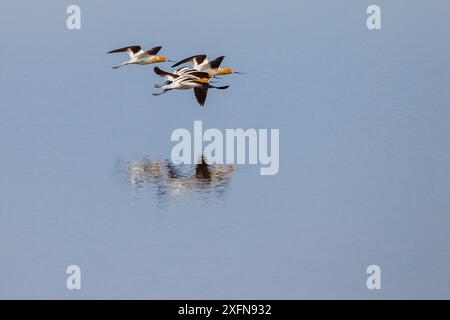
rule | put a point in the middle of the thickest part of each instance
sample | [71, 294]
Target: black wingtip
[202, 56]
[220, 59]
[154, 50]
[157, 70]
[216, 62]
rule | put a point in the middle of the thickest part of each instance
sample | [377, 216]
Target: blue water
[364, 174]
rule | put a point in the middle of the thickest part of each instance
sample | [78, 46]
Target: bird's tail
[120, 65]
[159, 85]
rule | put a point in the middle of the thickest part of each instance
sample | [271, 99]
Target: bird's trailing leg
[160, 93]
[162, 84]
[120, 65]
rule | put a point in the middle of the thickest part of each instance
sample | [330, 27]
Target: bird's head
[161, 59]
[222, 71]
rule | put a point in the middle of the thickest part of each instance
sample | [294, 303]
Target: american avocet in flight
[183, 71]
[200, 62]
[199, 81]
[139, 56]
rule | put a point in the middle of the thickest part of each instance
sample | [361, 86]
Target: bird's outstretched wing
[200, 95]
[165, 75]
[199, 74]
[153, 51]
[214, 64]
[131, 50]
[195, 60]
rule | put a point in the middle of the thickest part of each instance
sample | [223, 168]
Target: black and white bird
[139, 56]
[200, 63]
[197, 80]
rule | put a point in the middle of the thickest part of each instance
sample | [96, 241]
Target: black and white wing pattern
[215, 64]
[165, 75]
[131, 50]
[195, 60]
[200, 95]
[152, 52]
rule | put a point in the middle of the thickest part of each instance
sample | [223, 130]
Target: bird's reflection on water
[170, 181]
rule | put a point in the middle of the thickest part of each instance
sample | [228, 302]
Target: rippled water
[169, 183]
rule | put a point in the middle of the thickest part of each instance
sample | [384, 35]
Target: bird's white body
[184, 71]
[183, 83]
[139, 56]
[186, 79]
[205, 66]
[202, 64]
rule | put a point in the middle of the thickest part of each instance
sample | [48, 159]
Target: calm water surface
[364, 174]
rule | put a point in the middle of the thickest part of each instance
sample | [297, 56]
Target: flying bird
[200, 62]
[139, 56]
[183, 71]
[199, 81]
